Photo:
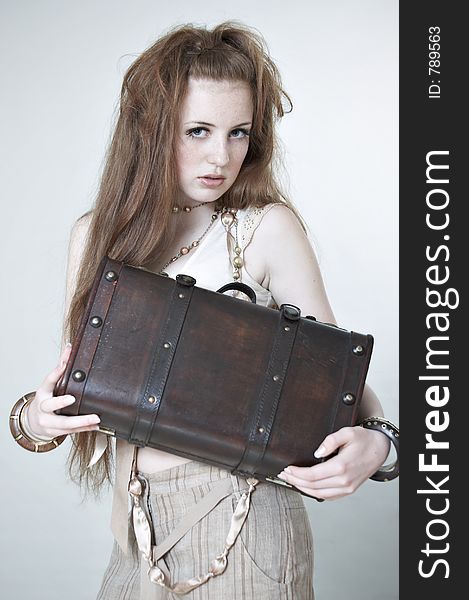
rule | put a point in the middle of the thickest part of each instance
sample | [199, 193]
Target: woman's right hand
[41, 417]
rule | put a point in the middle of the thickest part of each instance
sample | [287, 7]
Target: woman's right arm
[40, 414]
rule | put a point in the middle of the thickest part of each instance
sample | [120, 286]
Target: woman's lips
[211, 182]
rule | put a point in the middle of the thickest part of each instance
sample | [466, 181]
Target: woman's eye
[197, 132]
[239, 133]
[203, 132]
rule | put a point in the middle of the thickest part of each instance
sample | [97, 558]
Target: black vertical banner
[434, 259]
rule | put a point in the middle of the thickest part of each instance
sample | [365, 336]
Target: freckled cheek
[187, 164]
[238, 158]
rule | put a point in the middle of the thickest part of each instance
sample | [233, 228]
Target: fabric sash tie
[157, 571]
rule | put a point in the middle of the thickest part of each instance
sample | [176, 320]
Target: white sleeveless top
[210, 265]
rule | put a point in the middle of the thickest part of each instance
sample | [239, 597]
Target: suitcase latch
[278, 481]
[107, 431]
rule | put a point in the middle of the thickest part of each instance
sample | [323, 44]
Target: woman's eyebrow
[211, 124]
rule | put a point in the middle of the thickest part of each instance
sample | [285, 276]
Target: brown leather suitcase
[211, 377]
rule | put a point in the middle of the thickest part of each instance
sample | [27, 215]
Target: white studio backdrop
[62, 69]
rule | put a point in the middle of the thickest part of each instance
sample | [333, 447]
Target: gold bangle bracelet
[24, 440]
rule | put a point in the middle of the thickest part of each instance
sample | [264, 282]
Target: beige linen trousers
[271, 559]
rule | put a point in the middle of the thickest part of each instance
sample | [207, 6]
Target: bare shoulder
[77, 240]
[278, 234]
[84, 220]
[290, 265]
[76, 247]
[80, 229]
[279, 220]
[277, 223]
[281, 234]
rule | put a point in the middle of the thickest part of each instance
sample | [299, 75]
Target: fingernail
[281, 475]
[68, 345]
[288, 470]
[320, 452]
[71, 400]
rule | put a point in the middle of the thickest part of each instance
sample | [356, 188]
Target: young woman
[190, 187]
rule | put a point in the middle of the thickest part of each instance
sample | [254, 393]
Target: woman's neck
[194, 222]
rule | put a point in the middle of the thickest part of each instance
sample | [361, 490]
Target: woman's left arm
[282, 250]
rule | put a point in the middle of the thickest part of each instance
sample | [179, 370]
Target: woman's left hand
[360, 453]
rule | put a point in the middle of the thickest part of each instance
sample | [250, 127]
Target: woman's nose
[218, 153]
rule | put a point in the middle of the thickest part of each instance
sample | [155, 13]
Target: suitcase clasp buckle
[278, 481]
[107, 431]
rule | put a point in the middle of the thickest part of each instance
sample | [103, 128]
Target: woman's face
[213, 138]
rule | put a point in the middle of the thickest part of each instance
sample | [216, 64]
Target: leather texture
[211, 377]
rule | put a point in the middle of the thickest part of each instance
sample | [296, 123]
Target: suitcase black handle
[241, 287]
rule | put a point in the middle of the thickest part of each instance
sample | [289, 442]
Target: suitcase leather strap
[266, 408]
[80, 364]
[149, 404]
[353, 369]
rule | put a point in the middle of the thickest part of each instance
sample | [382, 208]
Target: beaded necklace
[186, 249]
[228, 219]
